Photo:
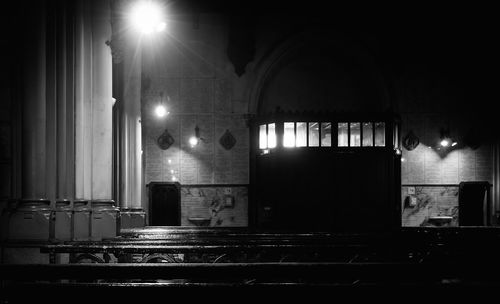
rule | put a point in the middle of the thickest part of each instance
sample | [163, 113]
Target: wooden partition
[342, 174]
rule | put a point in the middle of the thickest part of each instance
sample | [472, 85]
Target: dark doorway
[164, 204]
[474, 204]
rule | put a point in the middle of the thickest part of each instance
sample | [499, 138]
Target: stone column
[59, 101]
[130, 129]
[47, 118]
[65, 103]
[496, 183]
[34, 108]
[83, 103]
[93, 102]
[126, 46]
[102, 98]
[47, 115]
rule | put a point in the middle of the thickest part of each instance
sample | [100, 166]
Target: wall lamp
[147, 17]
[161, 109]
[446, 140]
[194, 140]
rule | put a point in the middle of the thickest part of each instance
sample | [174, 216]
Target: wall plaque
[227, 140]
[410, 141]
[165, 140]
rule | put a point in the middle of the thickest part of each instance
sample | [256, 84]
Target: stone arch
[288, 51]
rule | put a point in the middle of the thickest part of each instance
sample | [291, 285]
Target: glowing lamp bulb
[445, 143]
[193, 141]
[146, 17]
[160, 110]
[453, 144]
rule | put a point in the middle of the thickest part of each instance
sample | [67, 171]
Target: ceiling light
[147, 17]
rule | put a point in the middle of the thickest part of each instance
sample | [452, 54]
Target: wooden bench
[405, 245]
[446, 259]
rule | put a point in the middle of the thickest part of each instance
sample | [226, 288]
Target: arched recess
[340, 75]
[315, 77]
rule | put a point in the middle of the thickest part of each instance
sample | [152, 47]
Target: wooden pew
[406, 245]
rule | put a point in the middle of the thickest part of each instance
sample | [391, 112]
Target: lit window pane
[380, 134]
[355, 134]
[326, 134]
[313, 134]
[301, 138]
[342, 134]
[289, 136]
[262, 137]
[271, 135]
[367, 134]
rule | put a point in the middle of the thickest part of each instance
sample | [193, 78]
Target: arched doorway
[325, 148]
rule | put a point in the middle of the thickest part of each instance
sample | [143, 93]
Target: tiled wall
[428, 168]
[206, 206]
[427, 105]
[431, 201]
[424, 166]
[208, 162]
[199, 88]
[427, 165]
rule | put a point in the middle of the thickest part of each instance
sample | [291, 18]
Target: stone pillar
[130, 128]
[496, 183]
[34, 108]
[102, 98]
[83, 103]
[47, 104]
[93, 102]
[126, 46]
[59, 101]
[65, 188]
[66, 105]
[47, 118]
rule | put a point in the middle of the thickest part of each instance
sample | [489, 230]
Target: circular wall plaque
[165, 140]
[227, 140]
[410, 141]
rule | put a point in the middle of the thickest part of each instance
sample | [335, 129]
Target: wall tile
[196, 95]
[223, 96]
[198, 60]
